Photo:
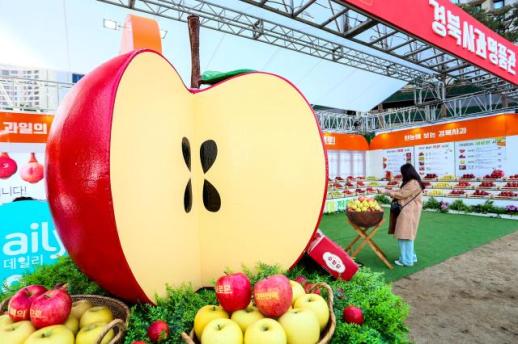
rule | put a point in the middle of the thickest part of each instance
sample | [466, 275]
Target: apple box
[330, 256]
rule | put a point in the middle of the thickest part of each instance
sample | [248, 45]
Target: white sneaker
[397, 262]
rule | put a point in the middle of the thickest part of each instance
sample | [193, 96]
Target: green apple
[72, 324]
[297, 289]
[5, 319]
[301, 326]
[55, 334]
[219, 331]
[265, 331]
[89, 334]
[96, 314]
[205, 315]
[16, 333]
[317, 305]
[246, 317]
[79, 308]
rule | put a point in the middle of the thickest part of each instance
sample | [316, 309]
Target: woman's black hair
[408, 172]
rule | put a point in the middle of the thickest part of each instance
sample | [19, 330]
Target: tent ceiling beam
[369, 32]
[223, 19]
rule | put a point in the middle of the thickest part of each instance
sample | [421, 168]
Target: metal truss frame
[217, 17]
[331, 121]
[335, 17]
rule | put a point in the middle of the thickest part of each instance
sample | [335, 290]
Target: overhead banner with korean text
[448, 27]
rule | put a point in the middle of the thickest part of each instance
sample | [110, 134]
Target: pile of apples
[479, 193]
[457, 193]
[281, 312]
[486, 185]
[430, 176]
[496, 174]
[363, 204]
[468, 176]
[463, 185]
[511, 185]
[507, 194]
[514, 176]
[39, 316]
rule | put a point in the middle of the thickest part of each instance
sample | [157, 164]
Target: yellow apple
[297, 290]
[317, 305]
[96, 314]
[16, 333]
[5, 319]
[72, 324]
[301, 326]
[205, 315]
[80, 307]
[219, 331]
[265, 331]
[55, 334]
[89, 334]
[246, 317]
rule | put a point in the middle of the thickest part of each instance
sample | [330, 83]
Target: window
[497, 4]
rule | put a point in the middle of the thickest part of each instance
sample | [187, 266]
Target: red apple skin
[353, 315]
[273, 295]
[308, 289]
[33, 171]
[82, 210]
[8, 166]
[158, 331]
[20, 304]
[51, 308]
[139, 342]
[233, 292]
[302, 280]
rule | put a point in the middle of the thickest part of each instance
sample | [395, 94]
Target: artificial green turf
[440, 236]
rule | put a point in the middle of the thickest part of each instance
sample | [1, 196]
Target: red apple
[139, 342]
[233, 292]
[8, 166]
[51, 308]
[308, 289]
[273, 295]
[20, 304]
[302, 280]
[158, 331]
[92, 157]
[353, 315]
[32, 172]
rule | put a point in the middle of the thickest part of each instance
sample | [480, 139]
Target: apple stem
[194, 37]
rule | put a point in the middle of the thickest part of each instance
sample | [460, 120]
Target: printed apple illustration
[17, 332]
[233, 291]
[20, 304]
[189, 156]
[246, 317]
[8, 166]
[32, 172]
[55, 334]
[353, 315]
[51, 308]
[158, 331]
[301, 326]
[220, 331]
[265, 331]
[273, 295]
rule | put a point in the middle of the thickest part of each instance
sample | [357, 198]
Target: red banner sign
[24, 127]
[448, 27]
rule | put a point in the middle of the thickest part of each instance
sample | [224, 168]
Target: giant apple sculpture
[151, 183]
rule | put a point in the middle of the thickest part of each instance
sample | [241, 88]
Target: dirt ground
[471, 298]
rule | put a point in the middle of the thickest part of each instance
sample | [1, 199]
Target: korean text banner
[24, 127]
[446, 26]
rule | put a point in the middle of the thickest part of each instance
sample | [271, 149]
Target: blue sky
[69, 35]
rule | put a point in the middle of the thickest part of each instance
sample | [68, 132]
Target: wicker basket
[119, 310]
[365, 218]
[325, 336]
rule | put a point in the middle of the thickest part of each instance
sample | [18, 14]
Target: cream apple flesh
[189, 156]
